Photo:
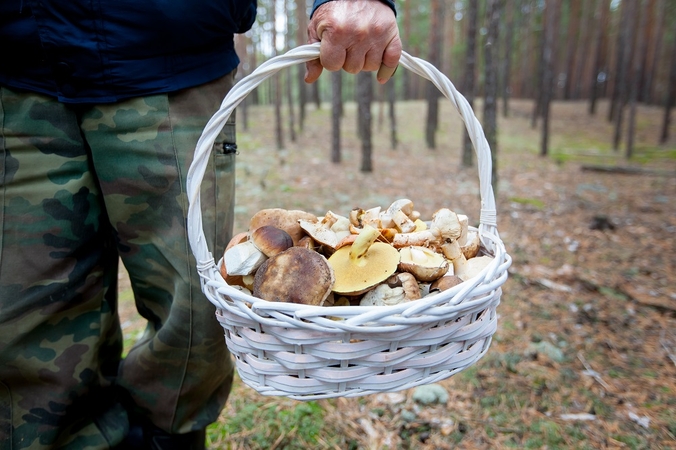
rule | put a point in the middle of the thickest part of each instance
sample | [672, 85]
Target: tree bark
[434, 57]
[599, 71]
[623, 78]
[241, 42]
[391, 98]
[655, 49]
[336, 108]
[552, 9]
[623, 54]
[470, 74]
[491, 61]
[582, 61]
[670, 97]
[636, 77]
[301, 38]
[406, 37]
[364, 100]
[507, 55]
[277, 91]
[542, 68]
[572, 52]
[289, 82]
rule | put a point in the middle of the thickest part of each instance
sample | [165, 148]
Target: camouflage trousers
[82, 187]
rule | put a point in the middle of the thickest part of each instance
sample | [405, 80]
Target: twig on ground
[666, 346]
[591, 372]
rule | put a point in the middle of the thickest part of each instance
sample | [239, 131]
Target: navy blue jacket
[102, 51]
[84, 51]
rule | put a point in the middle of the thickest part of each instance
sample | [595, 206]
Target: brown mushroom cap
[362, 265]
[444, 283]
[296, 275]
[271, 240]
[285, 219]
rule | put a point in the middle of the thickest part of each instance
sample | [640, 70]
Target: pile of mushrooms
[373, 257]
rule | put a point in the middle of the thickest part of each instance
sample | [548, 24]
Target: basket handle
[301, 54]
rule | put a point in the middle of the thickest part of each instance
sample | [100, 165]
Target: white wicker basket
[311, 352]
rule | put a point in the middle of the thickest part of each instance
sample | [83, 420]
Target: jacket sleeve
[318, 3]
[248, 16]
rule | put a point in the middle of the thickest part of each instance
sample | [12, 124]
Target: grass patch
[539, 204]
[293, 426]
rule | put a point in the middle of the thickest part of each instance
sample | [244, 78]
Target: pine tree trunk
[636, 77]
[406, 37]
[623, 78]
[552, 10]
[301, 38]
[623, 53]
[670, 97]
[584, 48]
[572, 52]
[289, 82]
[434, 57]
[491, 62]
[599, 72]
[364, 100]
[277, 95]
[391, 97]
[336, 108]
[241, 41]
[656, 47]
[470, 74]
[507, 56]
[541, 69]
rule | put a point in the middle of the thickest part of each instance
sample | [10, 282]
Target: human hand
[355, 35]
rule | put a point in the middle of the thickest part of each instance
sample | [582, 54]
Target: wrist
[317, 3]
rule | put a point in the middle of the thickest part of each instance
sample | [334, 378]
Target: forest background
[575, 99]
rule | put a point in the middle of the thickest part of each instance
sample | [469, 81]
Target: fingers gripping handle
[303, 54]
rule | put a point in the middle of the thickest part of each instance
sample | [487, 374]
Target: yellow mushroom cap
[362, 265]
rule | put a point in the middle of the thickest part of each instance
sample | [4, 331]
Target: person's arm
[355, 35]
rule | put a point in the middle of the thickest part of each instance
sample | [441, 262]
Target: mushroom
[364, 264]
[408, 282]
[443, 283]
[296, 275]
[464, 268]
[472, 243]
[399, 288]
[233, 280]
[448, 224]
[328, 231]
[285, 219]
[243, 258]
[360, 217]
[424, 238]
[464, 227]
[271, 240]
[423, 263]
[400, 215]
[383, 295]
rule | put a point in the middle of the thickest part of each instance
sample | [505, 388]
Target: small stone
[430, 394]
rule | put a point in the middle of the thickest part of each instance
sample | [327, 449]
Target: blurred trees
[622, 51]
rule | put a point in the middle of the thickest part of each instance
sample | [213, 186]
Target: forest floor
[585, 352]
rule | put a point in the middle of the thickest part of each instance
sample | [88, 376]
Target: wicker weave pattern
[307, 352]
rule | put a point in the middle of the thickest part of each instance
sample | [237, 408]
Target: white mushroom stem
[464, 268]
[423, 238]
